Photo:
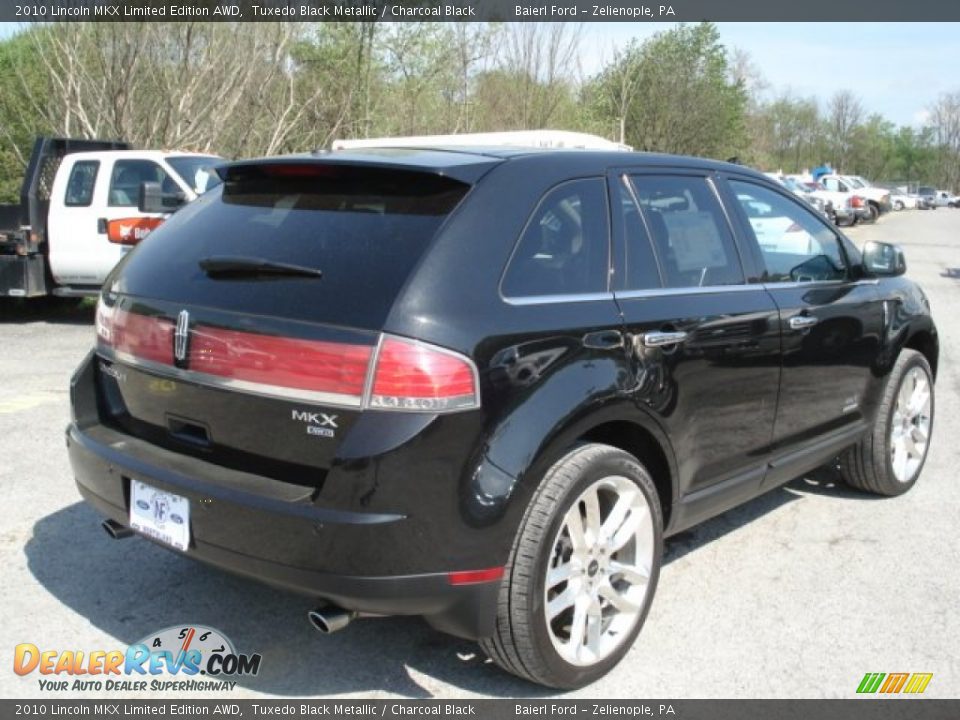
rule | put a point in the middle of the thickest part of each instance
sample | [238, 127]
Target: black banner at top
[479, 10]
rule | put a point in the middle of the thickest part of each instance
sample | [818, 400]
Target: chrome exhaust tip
[115, 530]
[330, 618]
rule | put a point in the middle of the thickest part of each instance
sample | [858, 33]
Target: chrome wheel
[598, 574]
[910, 425]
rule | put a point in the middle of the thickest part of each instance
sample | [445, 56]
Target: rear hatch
[247, 329]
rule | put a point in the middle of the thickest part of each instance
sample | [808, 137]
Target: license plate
[160, 515]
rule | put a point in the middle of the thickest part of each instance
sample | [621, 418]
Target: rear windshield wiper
[241, 267]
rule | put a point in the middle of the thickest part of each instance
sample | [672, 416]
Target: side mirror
[153, 200]
[883, 259]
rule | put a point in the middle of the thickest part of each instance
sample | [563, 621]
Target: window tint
[795, 244]
[639, 263]
[689, 231]
[564, 249]
[80, 184]
[129, 175]
[197, 171]
[365, 228]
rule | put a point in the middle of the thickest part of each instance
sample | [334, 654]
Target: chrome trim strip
[371, 374]
[699, 290]
[220, 383]
[554, 299]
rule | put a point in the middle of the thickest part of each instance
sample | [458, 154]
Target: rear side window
[796, 246]
[364, 228]
[80, 184]
[639, 263]
[565, 247]
[689, 231]
[129, 175]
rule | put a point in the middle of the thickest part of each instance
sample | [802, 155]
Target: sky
[897, 69]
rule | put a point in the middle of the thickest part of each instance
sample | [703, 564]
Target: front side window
[796, 246]
[564, 249]
[83, 178]
[834, 185]
[689, 231]
[129, 175]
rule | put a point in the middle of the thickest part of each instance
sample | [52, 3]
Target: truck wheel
[898, 205]
[874, 214]
[888, 461]
[582, 571]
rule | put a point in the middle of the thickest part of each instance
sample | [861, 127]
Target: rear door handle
[662, 338]
[801, 322]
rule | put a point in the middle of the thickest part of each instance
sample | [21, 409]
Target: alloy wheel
[598, 574]
[910, 425]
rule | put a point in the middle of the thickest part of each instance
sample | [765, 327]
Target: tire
[898, 205]
[525, 642]
[876, 464]
[874, 214]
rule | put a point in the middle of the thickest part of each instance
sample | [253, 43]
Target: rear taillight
[337, 370]
[856, 201]
[411, 375]
[131, 335]
[407, 374]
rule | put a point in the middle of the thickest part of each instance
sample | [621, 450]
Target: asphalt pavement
[796, 594]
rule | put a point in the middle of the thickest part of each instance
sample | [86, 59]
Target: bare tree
[945, 121]
[844, 115]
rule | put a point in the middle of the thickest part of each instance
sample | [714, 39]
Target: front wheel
[582, 571]
[888, 461]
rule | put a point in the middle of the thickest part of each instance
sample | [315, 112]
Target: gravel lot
[796, 594]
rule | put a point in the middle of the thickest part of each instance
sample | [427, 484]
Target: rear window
[83, 177]
[364, 229]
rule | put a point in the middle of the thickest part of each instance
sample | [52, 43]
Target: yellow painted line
[26, 402]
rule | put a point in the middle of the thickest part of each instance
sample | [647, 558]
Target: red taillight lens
[323, 367]
[409, 375]
[856, 201]
[140, 336]
[414, 376]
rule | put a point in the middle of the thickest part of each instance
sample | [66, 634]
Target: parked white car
[947, 199]
[902, 200]
[878, 199]
[840, 206]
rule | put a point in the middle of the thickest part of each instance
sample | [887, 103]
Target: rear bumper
[103, 462]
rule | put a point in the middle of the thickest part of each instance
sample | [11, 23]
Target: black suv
[483, 385]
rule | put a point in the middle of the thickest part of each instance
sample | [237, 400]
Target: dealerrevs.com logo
[894, 683]
[178, 658]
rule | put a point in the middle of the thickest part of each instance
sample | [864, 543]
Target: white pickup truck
[878, 199]
[84, 204]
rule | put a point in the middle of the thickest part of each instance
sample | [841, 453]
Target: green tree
[682, 97]
[21, 79]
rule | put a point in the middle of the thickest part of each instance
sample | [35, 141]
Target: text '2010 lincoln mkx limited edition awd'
[482, 385]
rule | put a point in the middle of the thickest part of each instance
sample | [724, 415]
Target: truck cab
[91, 189]
[83, 205]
